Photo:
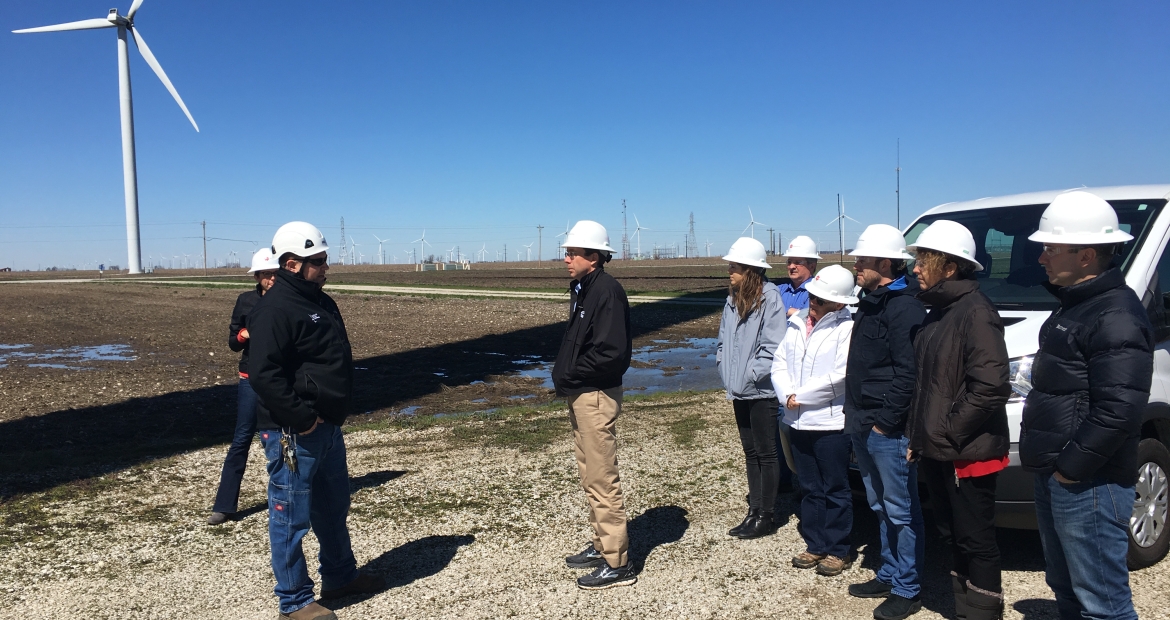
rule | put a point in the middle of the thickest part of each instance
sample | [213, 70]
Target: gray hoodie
[745, 349]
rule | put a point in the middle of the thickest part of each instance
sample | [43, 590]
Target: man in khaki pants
[594, 355]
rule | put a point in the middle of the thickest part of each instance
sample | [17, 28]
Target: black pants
[757, 424]
[964, 513]
[228, 496]
[826, 510]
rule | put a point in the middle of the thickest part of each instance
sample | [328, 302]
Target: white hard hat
[300, 239]
[881, 241]
[948, 237]
[589, 235]
[263, 260]
[802, 247]
[833, 283]
[748, 251]
[1079, 218]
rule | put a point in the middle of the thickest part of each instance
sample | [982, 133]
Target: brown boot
[806, 559]
[832, 566]
[312, 611]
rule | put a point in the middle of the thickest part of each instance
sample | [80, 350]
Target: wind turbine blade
[133, 9]
[832, 221]
[744, 229]
[85, 24]
[849, 218]
[158, 70]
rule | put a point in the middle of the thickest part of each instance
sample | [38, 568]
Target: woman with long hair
[957, 427]
[751, 328]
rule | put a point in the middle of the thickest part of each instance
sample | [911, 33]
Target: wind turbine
[840, 220]
[420, 241]
[381, 257]
[638, 233]
[708, 248]
[353, 245]
[129, 169]
[566, 233]
[752, 225]
[529, 250]
[483, 253]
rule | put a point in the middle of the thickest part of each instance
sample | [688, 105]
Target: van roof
[1117, 192]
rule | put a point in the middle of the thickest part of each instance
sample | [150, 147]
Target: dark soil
[435, 355]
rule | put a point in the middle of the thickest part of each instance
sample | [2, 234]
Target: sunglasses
[317, 262]
[1052, 250]
[816, 301]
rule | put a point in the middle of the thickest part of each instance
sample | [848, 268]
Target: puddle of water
[468, 413]
[61, 366]
[439, 374]
[476, 382]
[14, 346]
[521, 396]
[686, 365]
[480, 400]
[99, 353]
[409, 410]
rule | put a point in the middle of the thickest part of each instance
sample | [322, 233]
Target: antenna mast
[539, 243]
[625, 237]
[692, 242]
[898, 187]
[342, 253]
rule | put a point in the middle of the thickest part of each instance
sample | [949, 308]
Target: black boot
[959, 586]
[760, 526]
[752, 514]
[983, 605]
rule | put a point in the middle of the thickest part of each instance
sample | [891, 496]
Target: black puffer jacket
[244, 304]
[879, 376]
[1090, 383]
[300, 365]
[958, 412]
[596, 350]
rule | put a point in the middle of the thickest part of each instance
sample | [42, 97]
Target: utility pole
[625, 237]
[204, 222]
[505, 252]
[539, 243]
[692, 242]
[898, 188]
[772, 241]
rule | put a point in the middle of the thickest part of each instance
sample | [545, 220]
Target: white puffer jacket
[812, 368]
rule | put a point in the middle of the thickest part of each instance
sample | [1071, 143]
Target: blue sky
[480, 120]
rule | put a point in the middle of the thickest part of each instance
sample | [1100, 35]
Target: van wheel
[1149, 536]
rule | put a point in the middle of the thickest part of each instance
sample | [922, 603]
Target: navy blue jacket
[597, 346]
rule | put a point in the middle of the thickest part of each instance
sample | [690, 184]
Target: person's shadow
[408, 563]
[364, 481]
[1037, 609]
[655, 527]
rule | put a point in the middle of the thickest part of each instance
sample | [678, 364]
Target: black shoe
[217, 518]
[588, 558]
[364, 583]
[870, 589]
[747, 522]
[605, 577]
[760, 526]
[897, 607]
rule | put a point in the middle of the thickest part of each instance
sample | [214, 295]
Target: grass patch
[684, 430]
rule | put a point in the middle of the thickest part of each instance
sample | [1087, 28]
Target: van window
[1011, 277]
[1157, 298]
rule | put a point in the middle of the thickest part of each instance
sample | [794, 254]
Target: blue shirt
[793, 297]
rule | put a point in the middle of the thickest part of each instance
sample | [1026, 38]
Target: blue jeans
[227, 498]
[1084, 528]
[826, 509]
[891, 488]
[317, 496]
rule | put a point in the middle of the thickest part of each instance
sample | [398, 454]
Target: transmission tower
[692, 242]
[625, 237]
[342, 253]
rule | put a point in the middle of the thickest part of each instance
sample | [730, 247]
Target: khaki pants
[593, 416]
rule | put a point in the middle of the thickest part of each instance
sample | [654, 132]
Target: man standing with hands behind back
[1082, 419]
[594, 355]
[301, 367]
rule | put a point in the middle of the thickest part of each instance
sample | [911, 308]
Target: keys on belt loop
[288, 449]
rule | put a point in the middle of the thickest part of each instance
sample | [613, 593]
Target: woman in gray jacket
[751, 328]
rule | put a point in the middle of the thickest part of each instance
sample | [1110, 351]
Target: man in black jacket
[301, 367]
[594, 355]
[1082, 419]
[879, 384]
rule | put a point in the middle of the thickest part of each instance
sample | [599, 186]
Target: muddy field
[177, 389]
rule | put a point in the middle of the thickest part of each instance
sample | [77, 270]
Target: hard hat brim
[828, 295]
[916, 246]
[569, 244]
[801, 255]
[731, 258]
[889, 255]
[1081, 238]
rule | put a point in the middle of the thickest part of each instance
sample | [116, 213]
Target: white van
[1012, 279]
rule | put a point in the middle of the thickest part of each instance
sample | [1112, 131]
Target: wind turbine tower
[638, 234]
[124, 24]
[840, 220]
[381, 256]
[341, 254]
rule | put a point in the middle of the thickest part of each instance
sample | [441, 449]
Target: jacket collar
[876, 295]
[947, 292]
[297, 285]
[1072, 295]
[800, 319]
[587, 280]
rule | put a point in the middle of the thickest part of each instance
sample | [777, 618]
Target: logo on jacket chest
[314, 317]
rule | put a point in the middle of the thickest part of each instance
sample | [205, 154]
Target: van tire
[1151, 452]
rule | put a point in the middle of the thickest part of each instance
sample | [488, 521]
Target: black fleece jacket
[880, 372]
[300, 365]
[1090, 383]
[244, 304]
[596, 349]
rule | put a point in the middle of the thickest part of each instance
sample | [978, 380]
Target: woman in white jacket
[808, 373]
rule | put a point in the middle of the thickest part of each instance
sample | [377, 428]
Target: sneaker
[832, 566]
[897, 607]
[870, 589]
[806, 560]
[364, 583]
[312, 611]
[605, 577]
[588, 558]
[218, 517]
